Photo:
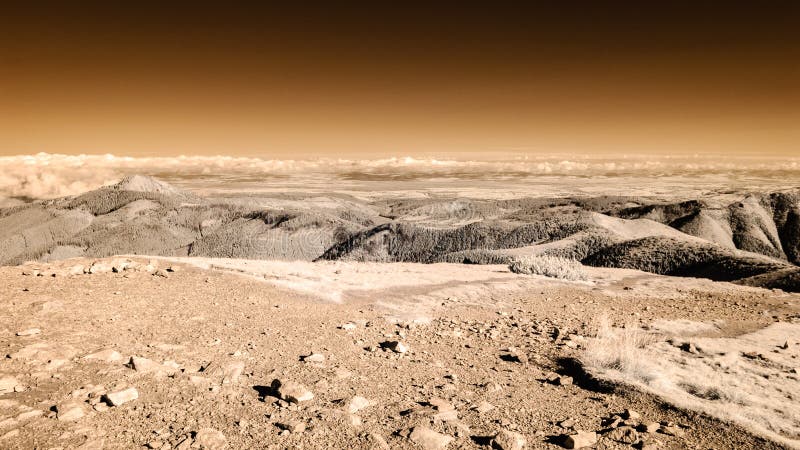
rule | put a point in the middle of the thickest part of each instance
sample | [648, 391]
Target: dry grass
[549, 266]
[715, 377]
[620, 350]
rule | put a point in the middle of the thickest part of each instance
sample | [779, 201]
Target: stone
[508, 440]
[483, 407]
[671, 430]
[314, 358]
[70, 411]
[11, 434]
[9, 384]
[630, 414]
[441, 404]
[295, 427]
[232, 372]
[107, 355]
[395, 346]
[123, 396]
[626, 435]
[567, 423]
[378, 441]
[357, 403]
[29, 332]
[580, 439]
[429, 439]
[349, 326]
[559, 380]
[450, 415]
[28, 415]
[291, 391]
[649, 427]
[210, 439]
[140, 364]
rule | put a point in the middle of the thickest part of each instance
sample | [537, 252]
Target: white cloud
[52, 175]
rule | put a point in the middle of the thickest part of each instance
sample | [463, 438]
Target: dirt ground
[208, 345]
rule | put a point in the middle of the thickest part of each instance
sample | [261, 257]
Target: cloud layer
[52, 175]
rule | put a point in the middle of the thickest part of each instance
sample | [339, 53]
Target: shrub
[549, 266]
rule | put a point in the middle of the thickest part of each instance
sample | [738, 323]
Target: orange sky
[376, 81]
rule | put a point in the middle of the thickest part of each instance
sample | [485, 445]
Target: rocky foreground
[139, 353]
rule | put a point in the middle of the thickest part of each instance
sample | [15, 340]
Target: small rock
[107, 355]
[567, 423]
[140, 364]
[395, 346]
[29, 332]
[11, 434]
[28, 415]
[356, 404]
[580, 439]
[441, 404]
[508, 440]
[210, 439]
[291, 391]
[671, 430]
[649, 427]
[9, 384]
[348, 326]
[631, 414]
[626, 435]
[483, 407]
[295, 427]
[232, 372]
[70, 412]
[559, 380]
[379, 441]
[429, 439]
[450, 415]
[314, 358]
[120, 397]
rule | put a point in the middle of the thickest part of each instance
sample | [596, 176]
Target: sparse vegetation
[549, 266]
[619, 350]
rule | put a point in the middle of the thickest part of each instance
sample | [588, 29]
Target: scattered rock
[11, 434]
[210, 439]
[631, 414]
[649, 427]
[9, 384]
[349, 326]
[314, 358]
[107, 355]
[29, 332]
[357, 403]
[291, 391]
[508, 440]
[28, 415]
[294, 427]
[395, 346]
[232, 372]
[429, 439]
[378, 441]
[580, 439]
[626, 435]
[70, 411]
[441, 404]
[483, 407]
[559, 380]
[120, 397]
[671, 430]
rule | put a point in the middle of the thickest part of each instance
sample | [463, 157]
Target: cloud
[53, 175]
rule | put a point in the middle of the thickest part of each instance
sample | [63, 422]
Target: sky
[340, 79]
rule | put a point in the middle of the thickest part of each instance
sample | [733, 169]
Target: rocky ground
[156, 354]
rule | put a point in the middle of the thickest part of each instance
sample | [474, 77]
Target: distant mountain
[755, 240]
